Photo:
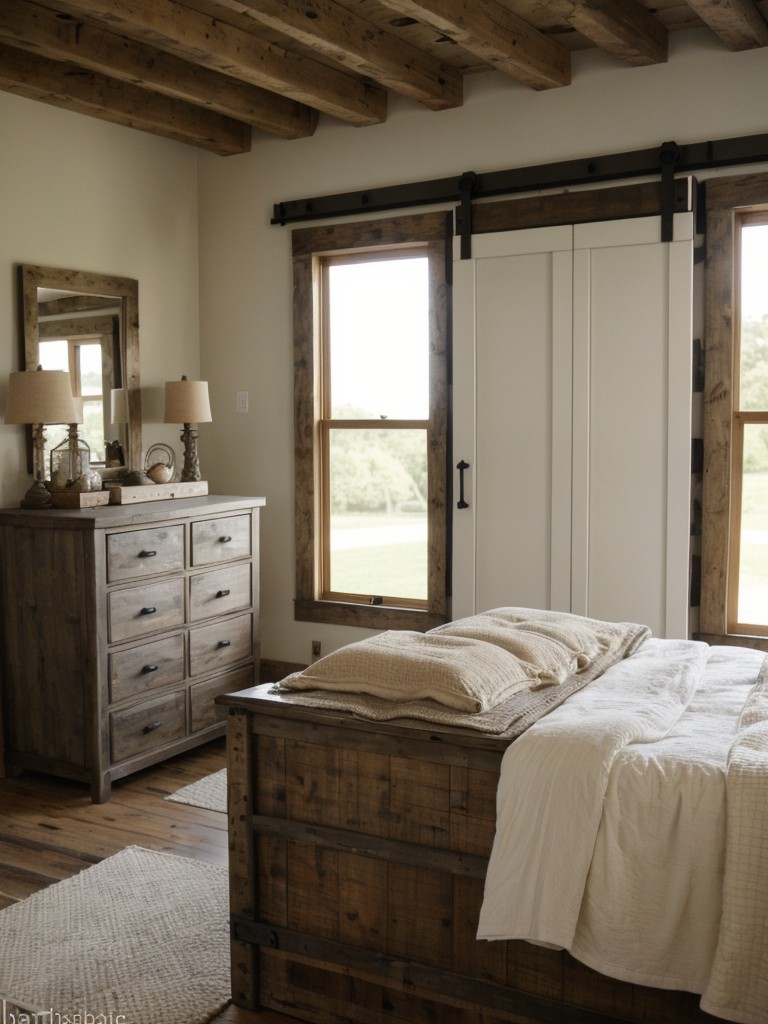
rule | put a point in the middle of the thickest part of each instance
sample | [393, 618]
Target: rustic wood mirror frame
[126, 291]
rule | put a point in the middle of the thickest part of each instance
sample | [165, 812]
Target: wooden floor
[49, 830]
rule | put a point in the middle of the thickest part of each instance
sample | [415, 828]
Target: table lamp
[118, 406]
[39, 397]
[186, 401]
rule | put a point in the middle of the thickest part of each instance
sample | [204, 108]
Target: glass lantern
[71, 458]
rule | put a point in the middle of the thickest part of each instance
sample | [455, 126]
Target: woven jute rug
[209, 792]
[140, 938]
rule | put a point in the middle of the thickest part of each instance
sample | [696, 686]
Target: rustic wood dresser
[120, 626]
[358, 853]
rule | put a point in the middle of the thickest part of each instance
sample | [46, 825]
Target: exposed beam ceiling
[209, 72]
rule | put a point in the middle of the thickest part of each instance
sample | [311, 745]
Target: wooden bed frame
[358, 852]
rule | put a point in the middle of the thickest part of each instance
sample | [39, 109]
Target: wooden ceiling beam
[87, 92]
[737, 22]
[193, 36]
[64, 37]
[623, 28]
[354, 42]
[493, 33]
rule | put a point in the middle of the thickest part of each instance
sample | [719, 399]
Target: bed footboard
[357, 857]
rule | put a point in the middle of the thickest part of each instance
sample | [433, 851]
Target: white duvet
[632, 827]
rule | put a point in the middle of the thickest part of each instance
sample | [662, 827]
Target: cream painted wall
[87, 195]
[704, 92]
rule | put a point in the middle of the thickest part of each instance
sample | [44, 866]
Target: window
[748, 594]
[82, 358]
[734, 584]
[371, 352]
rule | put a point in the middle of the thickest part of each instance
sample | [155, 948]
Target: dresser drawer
[221, 540]
[138, 669]
[220, 591]
[147, 725]
[139, 610]
[140, 553]
[220, 644]
[204, 712]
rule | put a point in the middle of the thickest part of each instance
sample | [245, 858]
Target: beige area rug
[209, 792]
[141, 938]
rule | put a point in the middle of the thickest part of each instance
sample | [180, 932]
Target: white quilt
[614, 815]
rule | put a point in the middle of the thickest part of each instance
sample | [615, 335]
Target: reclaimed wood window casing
[428, 232]
[729, 202]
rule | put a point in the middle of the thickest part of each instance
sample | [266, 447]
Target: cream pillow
[557, 643]
[464, 673]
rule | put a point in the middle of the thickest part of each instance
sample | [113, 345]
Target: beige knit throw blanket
[497, 672]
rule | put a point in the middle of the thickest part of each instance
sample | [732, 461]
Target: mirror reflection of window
[90, 378]
[83, 359]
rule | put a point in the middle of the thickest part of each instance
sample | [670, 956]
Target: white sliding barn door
[632, 422]
[512, 420]
[572, 390]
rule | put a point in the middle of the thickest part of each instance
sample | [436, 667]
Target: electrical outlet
[242, 401]
[316, 648]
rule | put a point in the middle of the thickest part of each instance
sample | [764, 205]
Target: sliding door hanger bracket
[669, 157]
[469, 185]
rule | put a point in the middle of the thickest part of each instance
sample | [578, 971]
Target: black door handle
[461, 466]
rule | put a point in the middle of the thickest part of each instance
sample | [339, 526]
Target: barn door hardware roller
[469, 186]
[669, 157]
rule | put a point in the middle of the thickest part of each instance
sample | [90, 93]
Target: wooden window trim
[726, 197]
[432, 230]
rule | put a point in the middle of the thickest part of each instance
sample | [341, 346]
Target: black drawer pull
[222, 593]
[149, 668]
[224, 540]
[151, 727]
[224, 643]
[148, 611]
[147, 554]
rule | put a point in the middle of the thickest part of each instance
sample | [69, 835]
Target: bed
[590, 845]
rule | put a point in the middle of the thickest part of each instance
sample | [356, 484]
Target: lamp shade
[186, 401]
[119, 405]
[40, 396]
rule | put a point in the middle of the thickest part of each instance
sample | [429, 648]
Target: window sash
[735, 622]
[326, 591]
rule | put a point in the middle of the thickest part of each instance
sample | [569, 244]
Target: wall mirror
[88, 324]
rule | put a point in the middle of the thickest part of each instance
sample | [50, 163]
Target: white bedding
[612, 828]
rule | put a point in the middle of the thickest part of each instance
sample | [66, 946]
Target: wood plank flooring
[49, 830]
